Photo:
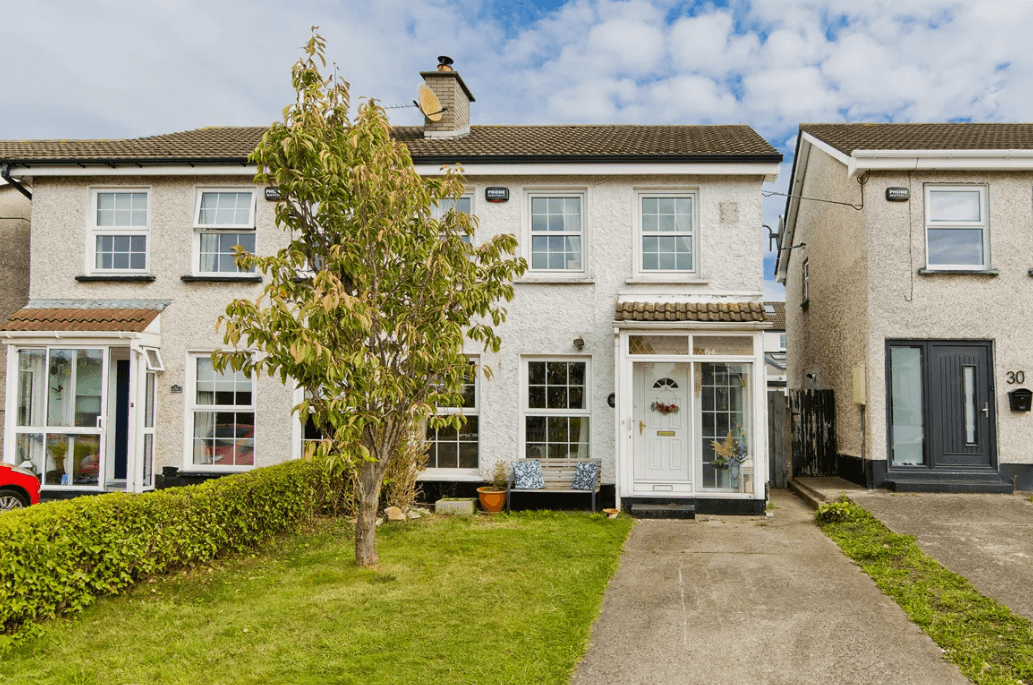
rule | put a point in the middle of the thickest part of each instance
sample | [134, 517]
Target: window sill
[668, 281]
[132, 278]
[221, 279]
[958, 272]
[552, 280]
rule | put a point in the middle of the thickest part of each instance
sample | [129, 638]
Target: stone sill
[115, 278]
[555, 281]
[667, 281]
[958, 272]
[221, 279]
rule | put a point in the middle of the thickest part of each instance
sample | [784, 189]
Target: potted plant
[730, 454]
[493, 496]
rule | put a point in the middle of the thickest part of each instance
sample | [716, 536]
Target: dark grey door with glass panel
[941, 408]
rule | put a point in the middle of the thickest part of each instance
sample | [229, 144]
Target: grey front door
[961, 424]
[941, 406]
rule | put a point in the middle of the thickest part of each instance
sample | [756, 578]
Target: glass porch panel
[723, 398]
[59, 387]
[658, 344]
[29, 447]
[72, 459]
[907, 429]
[89, 384]
[738, 345]
[148, 460]
[32, 378]
[75, 387]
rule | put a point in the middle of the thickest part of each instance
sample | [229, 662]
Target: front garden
[500, 599]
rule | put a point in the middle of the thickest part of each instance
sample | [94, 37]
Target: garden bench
[557, 474]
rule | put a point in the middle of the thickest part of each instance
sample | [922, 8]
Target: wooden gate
[778, 439]
[813, 432]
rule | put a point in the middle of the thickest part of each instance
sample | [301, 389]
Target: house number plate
[667, 434]
[1016, 377]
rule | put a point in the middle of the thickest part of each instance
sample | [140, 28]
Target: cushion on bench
[585, 476]
[527, 475]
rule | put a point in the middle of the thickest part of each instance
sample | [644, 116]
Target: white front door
[661, 427]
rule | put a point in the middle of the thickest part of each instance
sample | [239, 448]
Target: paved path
[986, 538]
[751, 600]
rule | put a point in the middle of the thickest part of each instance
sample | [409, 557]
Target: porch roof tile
[80, 319]
[690, 311]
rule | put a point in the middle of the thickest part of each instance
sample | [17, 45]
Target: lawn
[990, 644]
[502, 599]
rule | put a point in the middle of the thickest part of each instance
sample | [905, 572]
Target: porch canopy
[85, 316]
[727, 312]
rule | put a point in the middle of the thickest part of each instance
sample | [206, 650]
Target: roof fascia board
[680, 325]
[941, 163]
[68, 337]
[132, 169]
[838, 155]
[769, 170]
[796, 185]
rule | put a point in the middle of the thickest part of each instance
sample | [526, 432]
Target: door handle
[986, 409]
[641, 426]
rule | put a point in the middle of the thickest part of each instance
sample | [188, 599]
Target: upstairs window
[223, 219]
[557, 233]
[957, 234]
[464, 205]
[119, 233]
[667, 234]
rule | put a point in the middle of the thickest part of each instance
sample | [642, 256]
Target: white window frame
[191, 406]
[530, 193]
[666, 274]
[93, 231]
[526, 410]
[468, 195]
[451, 473]
[806, 281]
[983, 225]
[152, 359]
[248, 227]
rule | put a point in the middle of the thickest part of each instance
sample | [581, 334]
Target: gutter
[861, 161]
[5, 173]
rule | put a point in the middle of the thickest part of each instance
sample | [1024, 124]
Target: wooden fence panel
[813, 432]
[778, 439]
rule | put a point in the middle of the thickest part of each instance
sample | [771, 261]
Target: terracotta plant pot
[492, 500]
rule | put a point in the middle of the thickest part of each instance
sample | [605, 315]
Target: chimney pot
[445, 63]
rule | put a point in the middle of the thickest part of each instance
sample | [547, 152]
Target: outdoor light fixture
[579, 343]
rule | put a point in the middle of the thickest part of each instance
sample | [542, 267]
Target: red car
[18, 487]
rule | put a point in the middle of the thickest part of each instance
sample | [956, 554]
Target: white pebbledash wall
[544, 318]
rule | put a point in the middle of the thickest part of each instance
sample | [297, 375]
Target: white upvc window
[556, 235]
[556, 407]
[668, 240]
[957, 229]
[449, 448]
[223, 219]
[220, 417]
[806, 280]
[119, 231]
[463, 205]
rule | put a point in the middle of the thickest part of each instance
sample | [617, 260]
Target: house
[906, 257]
[775, 356]
[635, 336]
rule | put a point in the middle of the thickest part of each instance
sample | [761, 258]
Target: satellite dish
[428, 103]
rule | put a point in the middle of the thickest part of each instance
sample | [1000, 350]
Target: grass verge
[990, 644]
[506, 599]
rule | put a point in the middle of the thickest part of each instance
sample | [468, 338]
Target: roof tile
[36, 319]
[953, 136]
[689, 311]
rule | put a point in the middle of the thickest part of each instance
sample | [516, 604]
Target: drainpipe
[5, 173]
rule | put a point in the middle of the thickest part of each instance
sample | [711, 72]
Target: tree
[374, 328]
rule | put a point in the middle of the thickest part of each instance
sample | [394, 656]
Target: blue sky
[110, 69]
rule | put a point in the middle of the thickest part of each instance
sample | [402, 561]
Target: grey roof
[504, 144]
[778, 319]
[954, 136]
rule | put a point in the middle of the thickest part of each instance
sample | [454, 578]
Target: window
[956, 227]
[463, 205]
[557, 233]
[223, 219]
[222, 416]
[119, 232]
[667, 240]
[806, 281]
[782, 341]
[556, 409]
[458, 449]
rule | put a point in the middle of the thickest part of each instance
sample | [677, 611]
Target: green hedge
[59, 557]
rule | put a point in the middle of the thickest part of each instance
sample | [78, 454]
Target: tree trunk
[366, 521]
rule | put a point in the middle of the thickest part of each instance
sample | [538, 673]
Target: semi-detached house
[644, 290]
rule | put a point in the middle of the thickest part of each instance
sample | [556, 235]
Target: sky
[113, 69]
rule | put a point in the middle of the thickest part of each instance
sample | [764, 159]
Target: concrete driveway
[741, 599]
[986, 538]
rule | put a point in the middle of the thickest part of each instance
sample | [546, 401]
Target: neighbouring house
[636, 335]
[15, 211]
[906, 253]
[775, 356]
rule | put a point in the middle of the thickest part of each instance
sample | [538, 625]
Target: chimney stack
[455, 99]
